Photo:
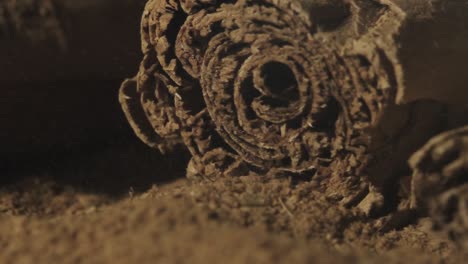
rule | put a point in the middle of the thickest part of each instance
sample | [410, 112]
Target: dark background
[59, 78]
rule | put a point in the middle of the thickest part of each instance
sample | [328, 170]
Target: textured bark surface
[250, 85]
[450, 212]
[439, 184]
[312, 88]
[424, 41]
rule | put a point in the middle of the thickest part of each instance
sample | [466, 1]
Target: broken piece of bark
[440, 165]
[449, 210]
[439, 184]
[423, 46]
[424, 42]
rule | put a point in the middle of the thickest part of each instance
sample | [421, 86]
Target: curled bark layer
[251, 85]
[422, 44]
[424, 40]
[449, 211]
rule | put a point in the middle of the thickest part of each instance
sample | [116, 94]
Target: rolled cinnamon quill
[284, 85]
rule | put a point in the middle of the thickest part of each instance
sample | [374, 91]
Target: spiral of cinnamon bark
[247, 83]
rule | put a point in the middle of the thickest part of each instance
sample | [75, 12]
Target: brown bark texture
[338, 91]
[425, 42]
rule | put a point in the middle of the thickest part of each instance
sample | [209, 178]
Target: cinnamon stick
[276, 86]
